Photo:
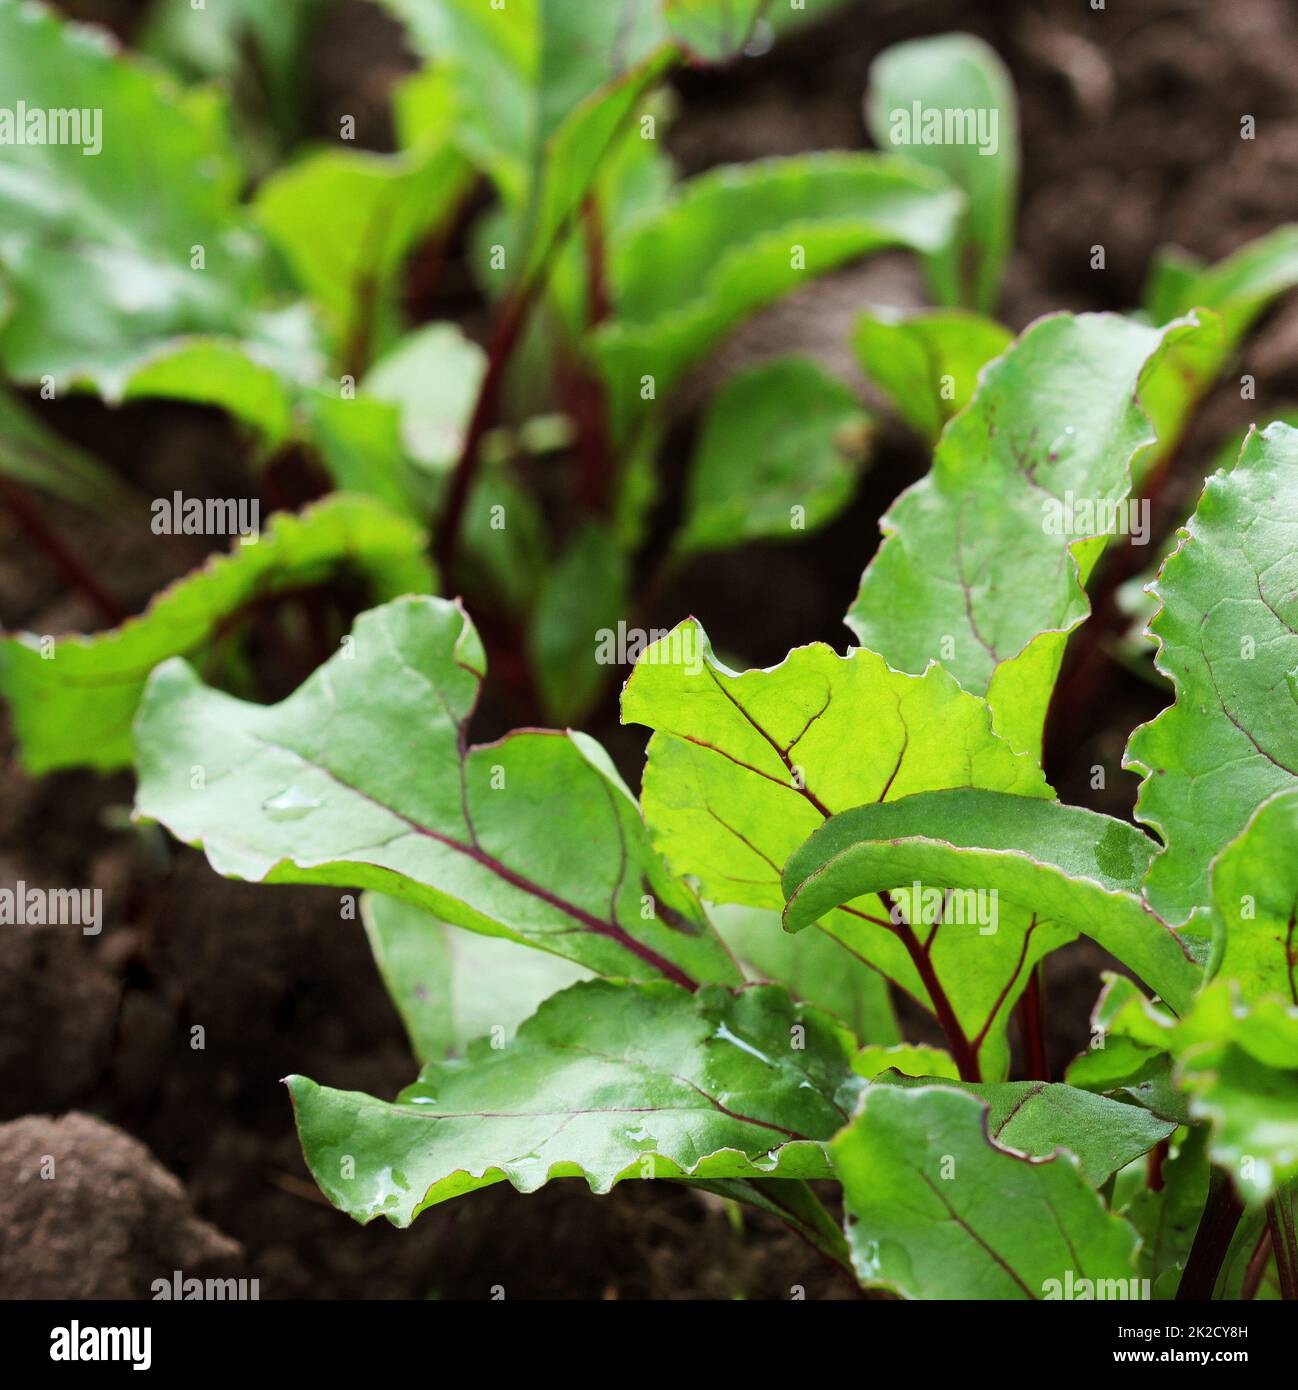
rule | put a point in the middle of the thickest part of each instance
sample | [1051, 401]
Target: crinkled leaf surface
[73, 706]
[814, 967]
[737, 238]
[453, 986]
[1037, 1117]
[606, 1081]
[927, 361]
[1062, 863]
[949, 76]
[779, 454]
[744, 766]
[1255, 903]
[1228, 641]
[364, 777]
[97, 247]
[936, 1209]
[969, 573]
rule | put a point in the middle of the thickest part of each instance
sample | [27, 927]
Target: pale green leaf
[779, 454]
[737, 238]
[606, 1081]
[814, 967]
[927, 361]
[453, 986]
[743, 767]
[937, 1209]
[364, 777]
[982, 566]
[1228, 641]
[948, 102]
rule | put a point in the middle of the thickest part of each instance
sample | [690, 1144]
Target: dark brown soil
[1131, 121]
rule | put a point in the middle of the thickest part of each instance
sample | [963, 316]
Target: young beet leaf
[73, 699]
[606, 1081]
[778, 457]
[364, 777]
[927, 362]
[87, 217]
[947, 102]
[1228, 641]
[744, 766]
[453, 986]
[1062, 863]
[733, 241]
[936, 1208]
[983, 562]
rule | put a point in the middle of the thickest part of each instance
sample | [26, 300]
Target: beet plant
[872, 806]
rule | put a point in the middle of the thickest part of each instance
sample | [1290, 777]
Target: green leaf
[223, 373]
[364, 777]
[712, 30]
[345, 220]
[1056, 417]
[736, 239]
[257, 48]
[927, 361]
[74, 699]
[1239, 1065]
[779, 456]
[432, 375]
[33, 454]
[579, 605]
[358, 439]
[453, 986]
[606, 1081]
[1062, 863]
[1037, 1117]
[814, 968]
[1235, 1062]
[1238, 290]
[909, 1059]
[1255, 903]
[541, 92]
[956, 89]
[1228, 641]
[743, 767]
[100, 232]
[937, 1209]
[1168, 1218]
